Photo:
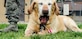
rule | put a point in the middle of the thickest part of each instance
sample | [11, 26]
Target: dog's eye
[49, 3]
[41, 3]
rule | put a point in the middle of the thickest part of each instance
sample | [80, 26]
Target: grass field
[20, 34]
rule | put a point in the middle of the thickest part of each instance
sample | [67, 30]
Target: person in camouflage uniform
[12, 14]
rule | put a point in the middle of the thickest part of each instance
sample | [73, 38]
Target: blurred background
[73, 9]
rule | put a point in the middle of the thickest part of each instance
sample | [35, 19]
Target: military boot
[12, 27]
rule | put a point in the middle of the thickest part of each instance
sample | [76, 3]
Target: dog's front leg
[31, 30]
[28, 32]
[43, 32]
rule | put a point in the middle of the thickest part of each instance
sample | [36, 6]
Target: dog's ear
[56, 9]
[31, 7]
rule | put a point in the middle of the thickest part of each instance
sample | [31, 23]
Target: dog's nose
[45, 10]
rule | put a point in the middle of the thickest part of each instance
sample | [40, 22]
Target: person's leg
[12, 15]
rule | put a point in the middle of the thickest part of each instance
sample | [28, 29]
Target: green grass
[20, 34]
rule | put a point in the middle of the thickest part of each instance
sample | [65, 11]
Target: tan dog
[45, 13]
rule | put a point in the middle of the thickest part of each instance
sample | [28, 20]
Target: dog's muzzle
[44, 18]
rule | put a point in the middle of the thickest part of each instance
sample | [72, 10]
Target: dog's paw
[42, 33]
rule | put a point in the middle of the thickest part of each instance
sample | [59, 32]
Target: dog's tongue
[43, 20]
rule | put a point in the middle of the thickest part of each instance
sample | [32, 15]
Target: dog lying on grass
[45, 18]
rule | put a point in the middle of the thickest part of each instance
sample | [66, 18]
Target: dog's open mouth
[44, 19]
